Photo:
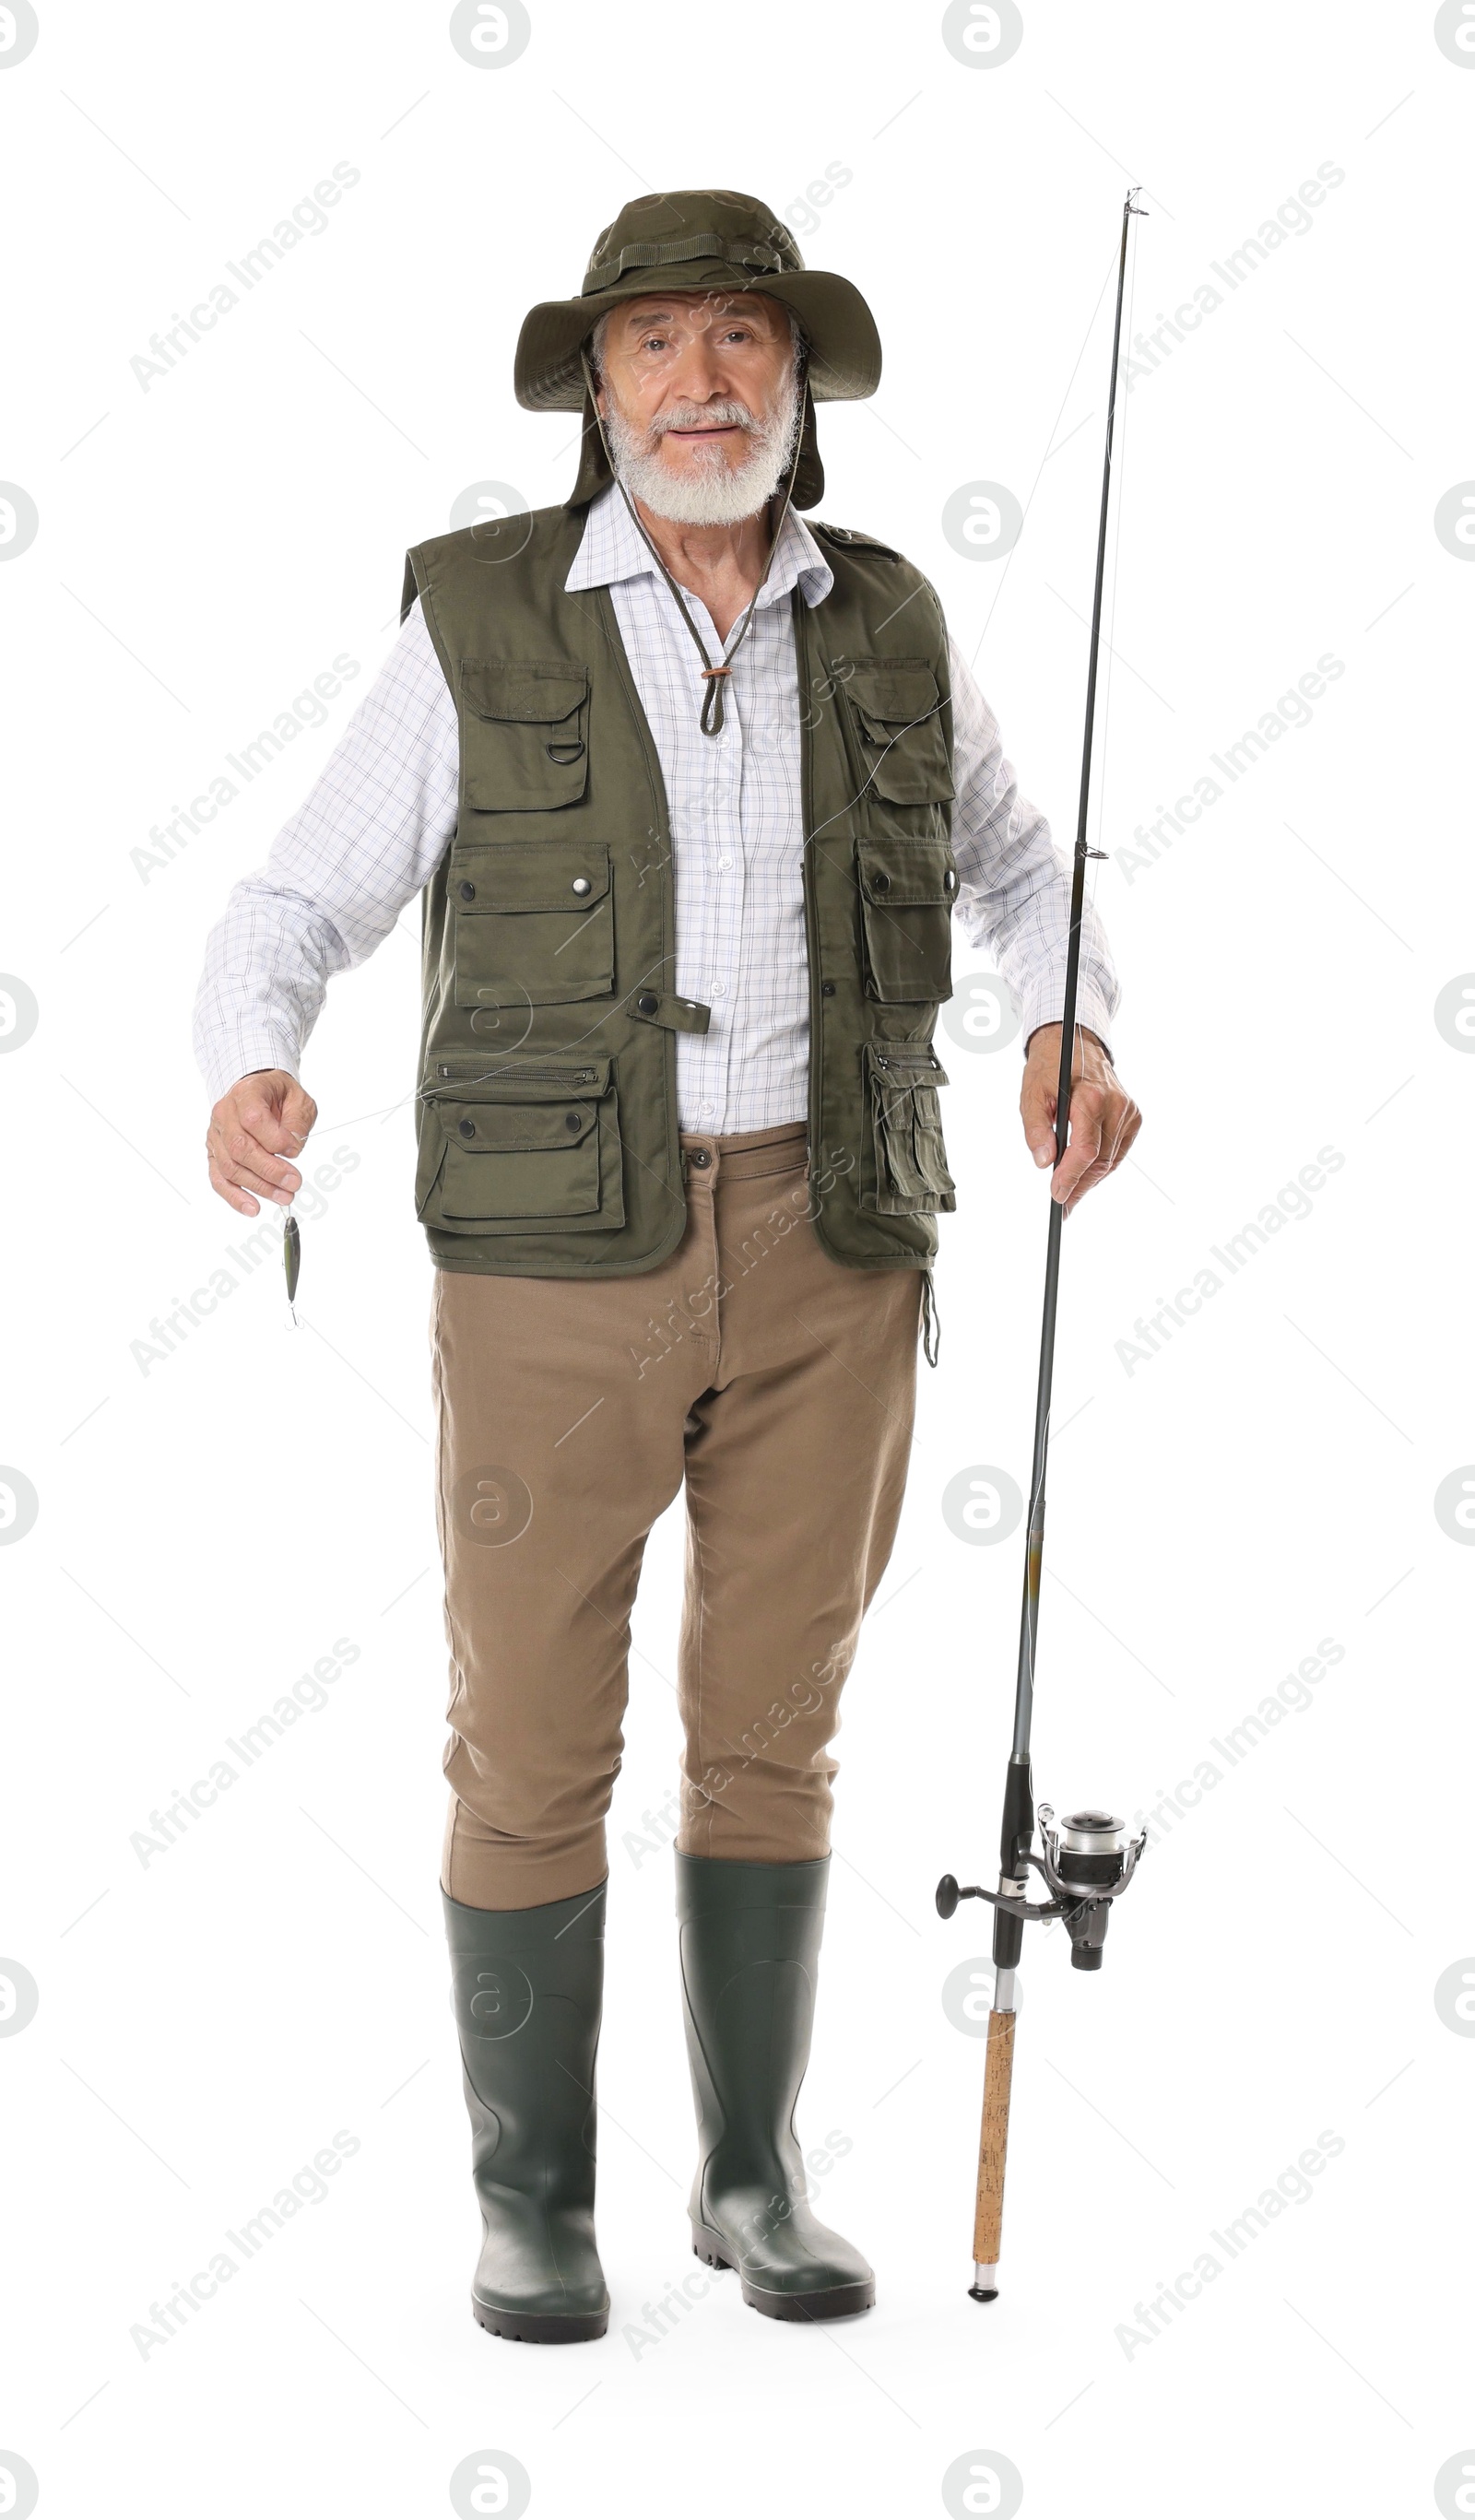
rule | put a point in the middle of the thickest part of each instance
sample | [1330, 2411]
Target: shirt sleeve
[1013, 895]
[366, 841]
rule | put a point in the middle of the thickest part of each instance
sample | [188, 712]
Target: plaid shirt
[380, 817]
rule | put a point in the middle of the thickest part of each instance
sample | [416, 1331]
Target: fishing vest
[547, 1112]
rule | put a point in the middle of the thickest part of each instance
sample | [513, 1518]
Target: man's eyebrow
[721, 311]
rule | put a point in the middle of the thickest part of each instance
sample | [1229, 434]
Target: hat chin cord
[714, 676]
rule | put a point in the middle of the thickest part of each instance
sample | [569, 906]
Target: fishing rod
[1087, 1860]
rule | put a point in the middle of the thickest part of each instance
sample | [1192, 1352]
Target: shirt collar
[613, 549]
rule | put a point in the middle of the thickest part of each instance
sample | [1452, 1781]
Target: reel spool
[1087, 1861]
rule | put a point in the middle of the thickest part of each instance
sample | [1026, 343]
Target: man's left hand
[1103, 1118]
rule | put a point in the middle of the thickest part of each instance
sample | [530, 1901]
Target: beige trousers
[780, 1386]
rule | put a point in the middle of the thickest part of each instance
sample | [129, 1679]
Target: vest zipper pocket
[592, 1076]
[520, 1151]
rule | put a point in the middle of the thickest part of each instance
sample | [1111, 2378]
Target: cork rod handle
[993, 2148]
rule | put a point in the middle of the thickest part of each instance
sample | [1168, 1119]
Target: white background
[208, 1527]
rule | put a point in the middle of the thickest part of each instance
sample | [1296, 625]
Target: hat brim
[844, 362]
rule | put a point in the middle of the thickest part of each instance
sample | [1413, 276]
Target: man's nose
[699, 375]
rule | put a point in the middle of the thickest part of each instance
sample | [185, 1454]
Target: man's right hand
[263, 1119]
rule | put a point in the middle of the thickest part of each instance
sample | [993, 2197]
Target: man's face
[698, 394]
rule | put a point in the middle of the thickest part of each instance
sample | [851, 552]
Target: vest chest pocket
[524, 733]
[908, 1169]
[534, 922]
[907, 890]
[526, 1149]
[895, 711]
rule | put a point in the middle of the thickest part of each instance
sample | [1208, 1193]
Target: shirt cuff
[241, 1057]
[1044, 1004]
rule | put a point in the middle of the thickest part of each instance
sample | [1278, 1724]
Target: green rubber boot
[527, 1983]
[749, 1955]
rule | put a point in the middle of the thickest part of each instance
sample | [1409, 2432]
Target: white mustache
[707, 415]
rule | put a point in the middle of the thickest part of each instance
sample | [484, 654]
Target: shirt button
[724, 866]
[719, 988]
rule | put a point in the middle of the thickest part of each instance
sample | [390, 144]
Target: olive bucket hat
[726, 243]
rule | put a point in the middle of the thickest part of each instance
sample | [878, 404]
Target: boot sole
[839, 2301]
[541, 2327]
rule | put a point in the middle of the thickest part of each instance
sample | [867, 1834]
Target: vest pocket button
[467, 1128]
[880, 883]
[581, 886]
[570, 1120]
[468, 891]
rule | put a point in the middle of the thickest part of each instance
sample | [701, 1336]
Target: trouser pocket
[528, 1149]
[907, 1167]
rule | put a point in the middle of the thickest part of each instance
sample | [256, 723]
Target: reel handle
[993, 2151]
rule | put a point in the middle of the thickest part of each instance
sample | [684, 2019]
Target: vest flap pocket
[522, 1149]
[899, 874]
[534, 922]
[896, 711]
[907, 890]
[515, 1128]
[543, 694]
[524, 734]
[908, 1169]
[544, 875]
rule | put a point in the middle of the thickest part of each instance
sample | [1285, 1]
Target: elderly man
[690, 791]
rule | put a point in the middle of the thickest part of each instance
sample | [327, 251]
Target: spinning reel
[1085, 1864]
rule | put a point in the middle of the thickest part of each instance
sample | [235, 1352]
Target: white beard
[708, 490]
